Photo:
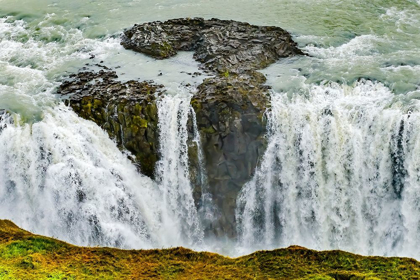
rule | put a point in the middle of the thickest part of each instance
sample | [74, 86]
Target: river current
[342, 166]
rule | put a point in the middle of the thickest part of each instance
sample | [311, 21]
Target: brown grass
[27, 256]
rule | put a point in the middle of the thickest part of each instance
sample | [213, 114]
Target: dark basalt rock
[126, 110]
[229, 107]
[230, 118]
[220, 45]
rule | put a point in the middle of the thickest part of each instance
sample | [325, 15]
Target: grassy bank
[24, 255]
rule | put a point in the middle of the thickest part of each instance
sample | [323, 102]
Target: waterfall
[206, 207]
[172, 170]
[64, 177]
[341, 170]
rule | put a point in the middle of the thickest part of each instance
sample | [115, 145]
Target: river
[342, 167]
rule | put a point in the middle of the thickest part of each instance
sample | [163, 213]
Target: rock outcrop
[221, 46]
[126, 110]
[229, 106]
[230, 118]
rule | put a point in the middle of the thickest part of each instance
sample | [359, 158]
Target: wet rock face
[220, 45]
[229, 107]
[126, 110]
[230, 118]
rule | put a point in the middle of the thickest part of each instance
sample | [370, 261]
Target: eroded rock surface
[230, 118]
[220, 45]
[229, 106]
[126, 110]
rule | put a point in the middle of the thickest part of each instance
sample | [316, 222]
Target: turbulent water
[342, 166]
[173, 168]
[341, 171]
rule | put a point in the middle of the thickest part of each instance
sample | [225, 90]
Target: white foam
[339, 173]
[64, 177]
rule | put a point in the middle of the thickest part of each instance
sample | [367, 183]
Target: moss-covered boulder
[126, 110]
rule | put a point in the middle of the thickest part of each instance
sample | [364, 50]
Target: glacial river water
[342, 168]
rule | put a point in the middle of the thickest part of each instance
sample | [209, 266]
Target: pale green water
[348, 40]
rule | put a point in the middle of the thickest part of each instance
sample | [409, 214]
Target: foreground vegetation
[24, 255]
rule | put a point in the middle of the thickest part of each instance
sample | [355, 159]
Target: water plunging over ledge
[341, 169]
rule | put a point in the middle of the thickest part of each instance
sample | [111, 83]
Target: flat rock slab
[105, 84]
[220, 45]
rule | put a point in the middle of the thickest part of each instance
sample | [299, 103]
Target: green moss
[196, 104]
[59, 276]
[152, 111]
[319, 277]
[28, 256]
[137, 109]
[225, 113]
[97, 103]
[138, 121]
[28, 246]
[166, 49]
[163, 50]
[143, 123]
[86, 106]
[208, 130]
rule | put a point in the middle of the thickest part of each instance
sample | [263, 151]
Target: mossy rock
[230, 117]
[230, 106]
[126, 110]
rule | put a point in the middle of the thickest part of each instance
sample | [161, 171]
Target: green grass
[27, 256]
[29, 246]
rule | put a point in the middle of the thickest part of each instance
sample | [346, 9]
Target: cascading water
[341, 168]
[51, 172]
[62, 176]
[49, 177]
[206, 208]
[173, 168]
[341, 171]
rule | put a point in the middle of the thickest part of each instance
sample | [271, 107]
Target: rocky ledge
[126, 110]
[229, 106]
[24, 255]
[220, 45]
